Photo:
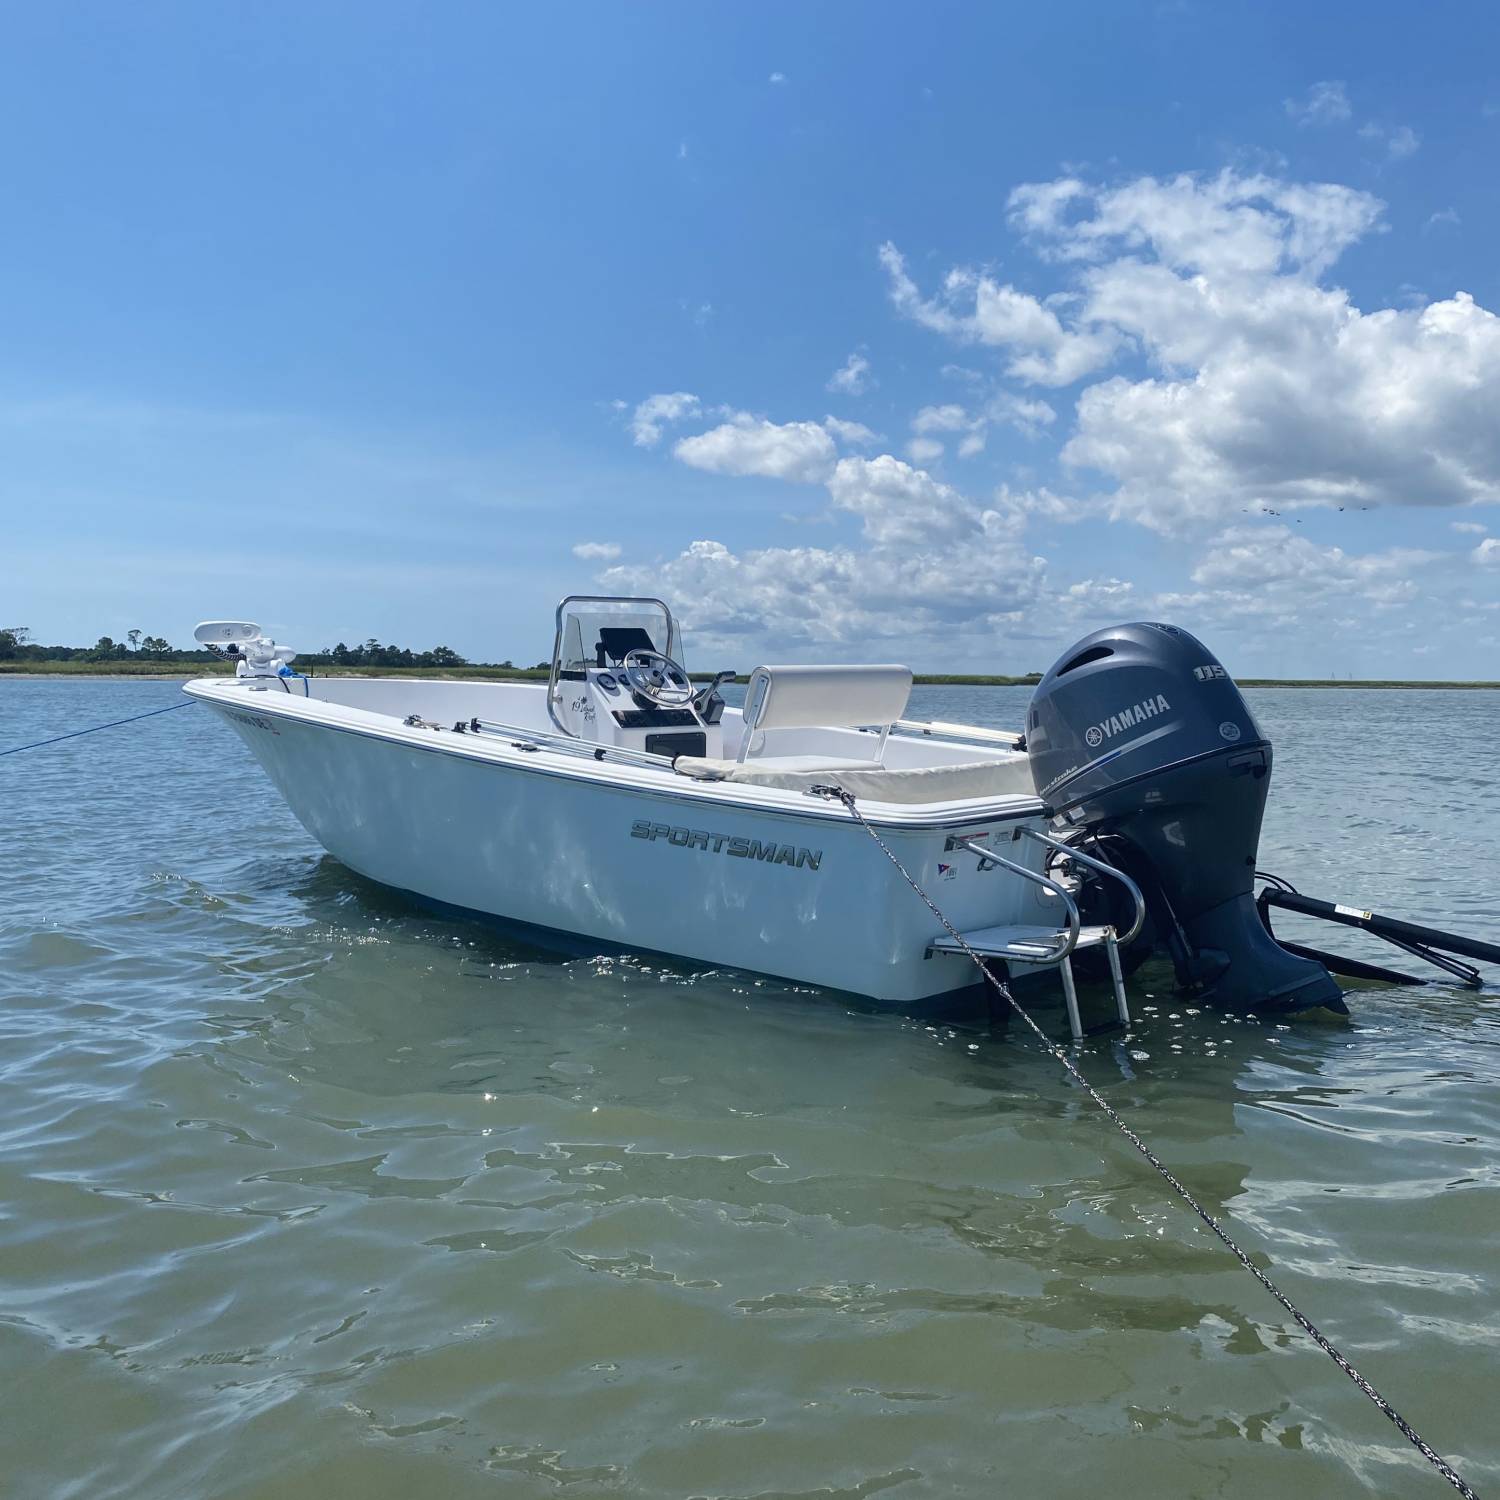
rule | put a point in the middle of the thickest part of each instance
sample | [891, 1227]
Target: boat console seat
[872, 697]
[864, 697]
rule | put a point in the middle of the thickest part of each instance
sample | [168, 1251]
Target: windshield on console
[598, 632]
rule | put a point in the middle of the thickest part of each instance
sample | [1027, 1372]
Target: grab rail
[1103, 869]
[989, 857]
[542, 739]
[941, 729]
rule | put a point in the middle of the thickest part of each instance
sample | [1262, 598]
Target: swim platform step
[1023, 944]
[1039, 945]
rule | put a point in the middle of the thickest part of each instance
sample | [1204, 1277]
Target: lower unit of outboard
[1142, 744]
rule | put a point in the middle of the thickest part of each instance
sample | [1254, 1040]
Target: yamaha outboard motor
[1139, 739]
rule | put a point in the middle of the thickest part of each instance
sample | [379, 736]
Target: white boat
[620, 806]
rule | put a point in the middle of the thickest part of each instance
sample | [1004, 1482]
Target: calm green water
[307, 1194]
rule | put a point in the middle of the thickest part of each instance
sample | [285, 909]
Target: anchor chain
[837, 793]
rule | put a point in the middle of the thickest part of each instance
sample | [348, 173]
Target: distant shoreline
[166, 672]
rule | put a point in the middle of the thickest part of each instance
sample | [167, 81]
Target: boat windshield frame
[566, 610]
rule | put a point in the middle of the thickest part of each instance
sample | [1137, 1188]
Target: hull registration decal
[254, 721]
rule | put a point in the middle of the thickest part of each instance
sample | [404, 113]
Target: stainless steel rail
[1103, 869]
[542, 739]
[942, 730]
[989, 857]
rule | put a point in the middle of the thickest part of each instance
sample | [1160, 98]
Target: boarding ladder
[1046, 947]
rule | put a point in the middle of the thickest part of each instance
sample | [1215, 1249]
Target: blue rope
[37, 744]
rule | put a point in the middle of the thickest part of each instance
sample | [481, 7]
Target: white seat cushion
[866, 780]
[795, 763]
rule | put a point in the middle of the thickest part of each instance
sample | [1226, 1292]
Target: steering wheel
[657, 678]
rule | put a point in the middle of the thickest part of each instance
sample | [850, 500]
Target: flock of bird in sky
[1265, 510]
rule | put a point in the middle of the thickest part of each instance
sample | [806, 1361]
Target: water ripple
[304, 1192]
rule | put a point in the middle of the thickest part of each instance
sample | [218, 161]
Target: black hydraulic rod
[1464, 973]
[1350, 968]
[1386, 927]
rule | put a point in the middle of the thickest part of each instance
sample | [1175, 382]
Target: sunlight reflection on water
[309, 1193]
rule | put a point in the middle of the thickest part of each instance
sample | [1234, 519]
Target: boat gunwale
[640, 781]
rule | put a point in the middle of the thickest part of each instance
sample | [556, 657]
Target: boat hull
[801, 896]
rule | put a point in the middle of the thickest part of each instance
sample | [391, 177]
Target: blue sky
[941, 334]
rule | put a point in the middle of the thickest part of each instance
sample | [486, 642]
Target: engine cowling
[1139, 738]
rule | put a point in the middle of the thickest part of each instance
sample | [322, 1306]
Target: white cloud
[949, 418]
[1272, 558]
[1265, 388]
[1041, 502]
[1399, 141]
[1472, 528]
[926, 553]
[657, 411]
[941, 574]
[1248, 382]
[1304, 401]
[853, 377]
[1402, 141]
[900, 506]
[813, 600]
[1325, 103]
[856, 434]
[974, 308]
[1039, 207]
[1113, 597]
[801, 451]
[1227, 225]
[597, 551]
[929, 556]
[777, 78]
[1444, 216]
[1260, 582]
[1026, 416]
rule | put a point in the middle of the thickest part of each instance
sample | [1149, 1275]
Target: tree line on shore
[16, 645]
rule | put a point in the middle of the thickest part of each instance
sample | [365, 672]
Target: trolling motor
[240, 641]
[1143, 746]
